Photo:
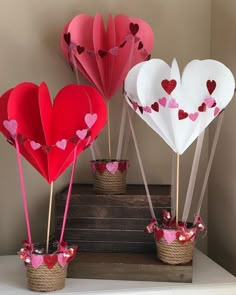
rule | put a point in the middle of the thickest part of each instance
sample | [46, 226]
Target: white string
[213, 149]
[75, 68]
[127, 139]
[96, 150]
[140, 164]
[78, 82]
[92, 151]
[193, 176]
[173, 186]
[121, 133]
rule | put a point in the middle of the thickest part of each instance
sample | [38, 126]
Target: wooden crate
[111, 223]
[109, 230]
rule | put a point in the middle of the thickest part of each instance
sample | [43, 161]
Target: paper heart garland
[181, 108]
[48, 133]
[105, 55]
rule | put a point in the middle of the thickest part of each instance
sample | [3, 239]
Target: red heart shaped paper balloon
[105, 55]
[48, 133]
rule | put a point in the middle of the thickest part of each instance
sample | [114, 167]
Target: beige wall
[29, 34]
[222, 185]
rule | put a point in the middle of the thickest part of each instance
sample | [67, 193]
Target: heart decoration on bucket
[48, 133]
[179, 108]
[105, 55]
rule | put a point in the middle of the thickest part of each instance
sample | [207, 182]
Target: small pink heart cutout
[36, 260]
[112, 167]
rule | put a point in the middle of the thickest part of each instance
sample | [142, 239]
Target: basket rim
[190, 226]
[107, 161]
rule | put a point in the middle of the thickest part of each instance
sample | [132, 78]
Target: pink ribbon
[151, 226]
[68, 196]
[23, 192]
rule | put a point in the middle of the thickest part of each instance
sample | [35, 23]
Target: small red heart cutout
[140, 109]
[168, 85]
[140, 45]
[100, 167]
[155, 106]
[102, 53]
[202, 107]
[67, 38]
[158, 234]
[122, 166]
[50, 260]
[211, 85]
[134, 28]
[182, 115]
[80, 49]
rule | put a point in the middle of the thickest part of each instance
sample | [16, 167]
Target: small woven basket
[108, 183]
[176, 252]
[43, 279]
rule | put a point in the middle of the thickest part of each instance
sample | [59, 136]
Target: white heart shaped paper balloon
[179, 109]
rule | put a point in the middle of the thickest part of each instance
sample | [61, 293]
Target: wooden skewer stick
[177, 190]
[49, 216]
[109, 129]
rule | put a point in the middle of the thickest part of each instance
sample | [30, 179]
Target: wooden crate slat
[103, 223]
[114, 247]
[119, 266]
[108, 235]
[132, 189]
[117, 200]
[107, 212]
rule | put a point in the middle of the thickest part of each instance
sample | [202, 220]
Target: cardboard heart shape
[188, 103]
[36, 260]
[158, 234]
[50, 260]
[123, 166]
[112, 167]
[82, 133]
[169, 235]
[62, 259]
[105, 55]
[50, 131]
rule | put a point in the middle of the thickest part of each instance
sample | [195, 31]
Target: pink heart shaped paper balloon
[181, 107]
[105, 55]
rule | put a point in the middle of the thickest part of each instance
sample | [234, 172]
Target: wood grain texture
[109, 235]
[140, 267]
[115, 247]
[107, 212]
[110, 223]
[103, 223]
[132, 189]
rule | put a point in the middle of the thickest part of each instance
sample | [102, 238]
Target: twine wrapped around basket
[176, 252]
[47, 272]
[175, 244]
[110, 176]
[44, 279]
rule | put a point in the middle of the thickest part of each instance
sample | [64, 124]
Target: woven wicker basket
[108, 183]
[43, 279]
[176, 252]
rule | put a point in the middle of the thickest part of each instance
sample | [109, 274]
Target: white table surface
[208, 278]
